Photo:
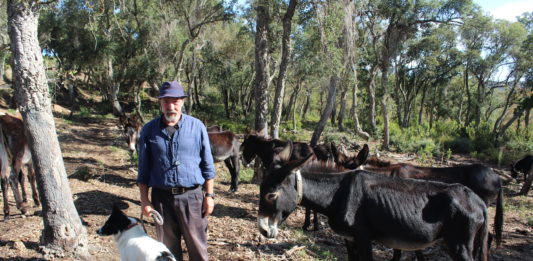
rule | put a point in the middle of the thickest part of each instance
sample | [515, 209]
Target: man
[175, 161]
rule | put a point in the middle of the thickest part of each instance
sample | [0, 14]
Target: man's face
[171, 108]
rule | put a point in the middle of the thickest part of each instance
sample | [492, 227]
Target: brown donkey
[15, 153]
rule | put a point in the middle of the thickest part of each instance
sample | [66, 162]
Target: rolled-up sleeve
[206, 164]
[143, 174]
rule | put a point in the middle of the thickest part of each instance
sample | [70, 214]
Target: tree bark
[372, 98]
[327, 111]
[113, 89]
[63, 233]
[342, 107]
[262, 62]
[285, 55]
[384, 102]
[305, 108]
[262, 76]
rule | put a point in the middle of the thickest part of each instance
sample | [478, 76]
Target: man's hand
[209, 205]
[146, 208]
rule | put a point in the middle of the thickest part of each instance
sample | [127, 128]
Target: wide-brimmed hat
[171, 89]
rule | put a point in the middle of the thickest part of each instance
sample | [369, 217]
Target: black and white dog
[132, 241]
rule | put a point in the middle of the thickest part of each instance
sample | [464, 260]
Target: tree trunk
[63, 233]
[517, 113]
[342, 107]
[372, 98]
[358, 130]
[526, 121]
[499, 120]
[291, 107]
[327, 111]
[468, 116]
[262, 74]
[422, 101]
[285, 55]
[113, 89]
[384, 102]
[138, 111]
[305, 108]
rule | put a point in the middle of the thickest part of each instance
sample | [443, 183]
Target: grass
[521, 206]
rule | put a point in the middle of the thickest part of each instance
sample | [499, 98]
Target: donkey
[15, 153]
[273, 152]
[522, 166]
[525, 166]
[132, 130]
[480, 179]
[225, 146]
[364, 207]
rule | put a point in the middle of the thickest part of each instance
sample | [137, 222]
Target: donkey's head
[350, 162]
[279, 194]
[248, 149]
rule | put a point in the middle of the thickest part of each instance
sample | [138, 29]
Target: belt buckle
[177, 191]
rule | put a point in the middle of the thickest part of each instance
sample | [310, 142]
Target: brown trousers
[182, 216]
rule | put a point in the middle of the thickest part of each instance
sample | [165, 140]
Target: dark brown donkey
[15, 153]
[225, 146]
[480, 179]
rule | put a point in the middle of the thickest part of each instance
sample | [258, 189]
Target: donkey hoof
[6, 217]
[233, 190]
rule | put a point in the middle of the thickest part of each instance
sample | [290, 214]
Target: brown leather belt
[178, 190]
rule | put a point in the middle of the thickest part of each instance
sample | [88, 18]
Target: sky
[506, 9]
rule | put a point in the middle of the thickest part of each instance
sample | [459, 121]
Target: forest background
[429, 77]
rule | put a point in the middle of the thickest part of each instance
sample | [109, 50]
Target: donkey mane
[323, 168]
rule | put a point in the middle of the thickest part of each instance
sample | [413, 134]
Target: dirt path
[100, 174]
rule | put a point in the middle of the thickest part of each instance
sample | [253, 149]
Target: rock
[18, 245]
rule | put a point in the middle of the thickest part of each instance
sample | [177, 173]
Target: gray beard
[171, 117]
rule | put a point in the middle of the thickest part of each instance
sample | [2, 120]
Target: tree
[404, 19]
[285, 55]
[63, 232]
[262, 66]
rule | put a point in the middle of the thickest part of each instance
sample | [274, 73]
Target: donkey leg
[364, 246]
[5, 187]
[351, 247]
[236, 167]
[31, 179]
[233, 186]
[22, 182]
[307, 221]
[316, 221]
[13, 181]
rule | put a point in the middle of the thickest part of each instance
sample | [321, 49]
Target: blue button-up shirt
[182, 160]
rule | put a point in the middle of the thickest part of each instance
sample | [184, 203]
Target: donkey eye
[271, 196]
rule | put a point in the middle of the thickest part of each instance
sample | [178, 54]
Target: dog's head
[116, 223]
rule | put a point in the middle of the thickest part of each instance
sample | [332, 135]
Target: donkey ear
[363, 155]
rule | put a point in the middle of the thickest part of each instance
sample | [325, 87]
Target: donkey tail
[481, 243]
[498, 218]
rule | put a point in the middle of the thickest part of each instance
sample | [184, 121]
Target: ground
[101, 173]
